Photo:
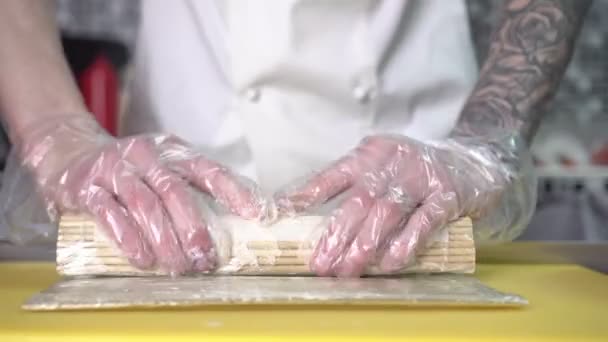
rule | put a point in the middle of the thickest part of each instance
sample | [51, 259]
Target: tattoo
[528, 55]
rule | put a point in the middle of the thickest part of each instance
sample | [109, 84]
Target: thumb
[315, 190]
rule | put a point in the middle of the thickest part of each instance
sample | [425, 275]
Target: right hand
[138, 189]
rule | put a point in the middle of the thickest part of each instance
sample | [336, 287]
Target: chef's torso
[276, 89]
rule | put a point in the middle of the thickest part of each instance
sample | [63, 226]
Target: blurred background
[570, 150]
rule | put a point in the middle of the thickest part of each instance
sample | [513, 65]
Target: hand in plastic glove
[138, 189]
[400, 192]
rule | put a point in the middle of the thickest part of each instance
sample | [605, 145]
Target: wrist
[58, 126]
[51, 144]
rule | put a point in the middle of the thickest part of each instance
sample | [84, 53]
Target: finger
[223, 186]
[363, 164]
[180, 204]
[148, 212]
[343, 226]
[212, 178]
[317, 190]
[119, 228]
[186, 217]
[434, 214]
[381, 222]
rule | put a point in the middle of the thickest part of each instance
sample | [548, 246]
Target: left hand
[400, 192]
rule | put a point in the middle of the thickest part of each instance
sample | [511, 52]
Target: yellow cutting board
[567, 303]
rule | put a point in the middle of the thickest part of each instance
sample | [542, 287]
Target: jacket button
[363, 93]
[253, 94]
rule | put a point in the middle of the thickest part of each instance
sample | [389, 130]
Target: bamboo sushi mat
[246, 248]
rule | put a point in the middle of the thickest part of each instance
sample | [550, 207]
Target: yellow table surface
[567, 302]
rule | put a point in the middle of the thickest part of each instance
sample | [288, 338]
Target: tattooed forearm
[529, 52]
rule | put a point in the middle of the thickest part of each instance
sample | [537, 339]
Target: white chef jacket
[276, 89]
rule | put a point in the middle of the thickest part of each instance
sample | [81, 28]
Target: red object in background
[99, 86]
[600, 156]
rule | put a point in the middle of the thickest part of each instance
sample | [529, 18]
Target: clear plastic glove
[139, 189]
[397, 192]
